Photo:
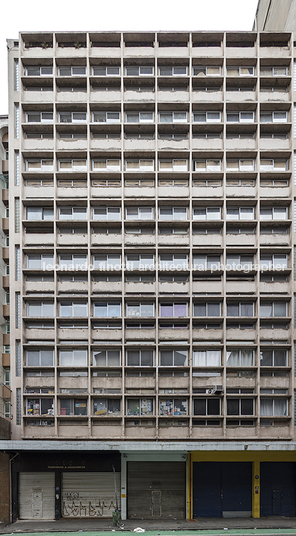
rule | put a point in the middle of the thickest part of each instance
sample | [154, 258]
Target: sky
[96, 15]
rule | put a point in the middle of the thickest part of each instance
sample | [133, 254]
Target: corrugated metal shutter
[156, 490]
[36, 496]
[89, 494]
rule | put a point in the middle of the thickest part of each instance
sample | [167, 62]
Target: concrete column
[256, 489]
[4, 488]
[123, 487]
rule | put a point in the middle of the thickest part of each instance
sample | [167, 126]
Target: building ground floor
[165, 481]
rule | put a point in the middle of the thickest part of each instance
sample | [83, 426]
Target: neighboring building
[5, 412]
[151, 256]
[275, 15]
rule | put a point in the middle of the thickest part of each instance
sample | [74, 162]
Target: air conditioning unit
[218, 389]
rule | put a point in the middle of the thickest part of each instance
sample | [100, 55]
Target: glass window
[173, 358]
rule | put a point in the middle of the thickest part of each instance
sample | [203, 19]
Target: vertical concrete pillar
[256, 489]
[4, 488]
[123, 486]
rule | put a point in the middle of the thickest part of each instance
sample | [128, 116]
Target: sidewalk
[265, 526]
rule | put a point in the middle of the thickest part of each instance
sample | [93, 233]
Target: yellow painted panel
[256, 489]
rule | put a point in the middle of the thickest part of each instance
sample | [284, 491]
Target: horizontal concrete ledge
[138, 446]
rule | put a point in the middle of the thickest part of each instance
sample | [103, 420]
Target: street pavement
[265, 526]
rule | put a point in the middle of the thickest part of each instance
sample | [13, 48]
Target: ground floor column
[256, 489]
[4, 488]
[123, 486]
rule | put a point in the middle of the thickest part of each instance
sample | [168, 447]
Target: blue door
[277, 488]
[222, 489]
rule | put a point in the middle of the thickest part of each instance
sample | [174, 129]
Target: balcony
[173, 96]
[5, 428]
[6, 311]
[105, 96]
[5, 360]
[206, 96]
[139, 192]
[138, 96]
[38, 192]
[139, 335]
[139, 287]
[109, 287]
[72, 96]
[40, 239]
[37, 97]
[72, 239]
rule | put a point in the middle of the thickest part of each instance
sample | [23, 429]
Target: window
[169, 261]
[207, 117]
[240, 358]
[67, 309]
[240, 117]
[239, 262]
[273, 213]
[107, 213]
[268, 164]
[139, 117]
[140, 358]
[240, 71]
[275, 407]
[206, 213]
[273, 262]
[240, 165]
[173, 165]
[72, 262]
[39, 213]
[72, 213]
[240, 406]
[176, 70]
[72, 165]
[139, 262]
[113, 164]
[39, 117]
[139, 165]
[44, 164]
[173, 309]
[239, 213]
[106, 117]
[40, 262]
[107, 262]
[141, 70]
[106, 358]
[108, 70]
[139, 213]
[74, 70]
[107, 310]
[35, 70]
[73, 358]
[273, 358]
[207, 165]
[40, 357]
[172, 213]
[37, 308]
[274, 117]
[207, 406]
[72, 117]
[140, 309]
[173, 358]
[270, 309]
[76, 406]
[240, 309]
[207, 358]
[39, 406]
[206, 262]
[213, 70]
[172, 117]
[273, 71]
[139, 406]
[207, 309]
[105, 406]
[173, 406]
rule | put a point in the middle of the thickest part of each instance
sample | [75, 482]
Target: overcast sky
[96, 15]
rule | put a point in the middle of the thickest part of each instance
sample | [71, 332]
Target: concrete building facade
[275, 15]
[151, 273]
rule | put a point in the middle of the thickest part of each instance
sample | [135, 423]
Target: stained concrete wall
[276, 15]
[4, 488]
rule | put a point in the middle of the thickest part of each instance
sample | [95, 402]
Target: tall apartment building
[275, 15]
[151, 274]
